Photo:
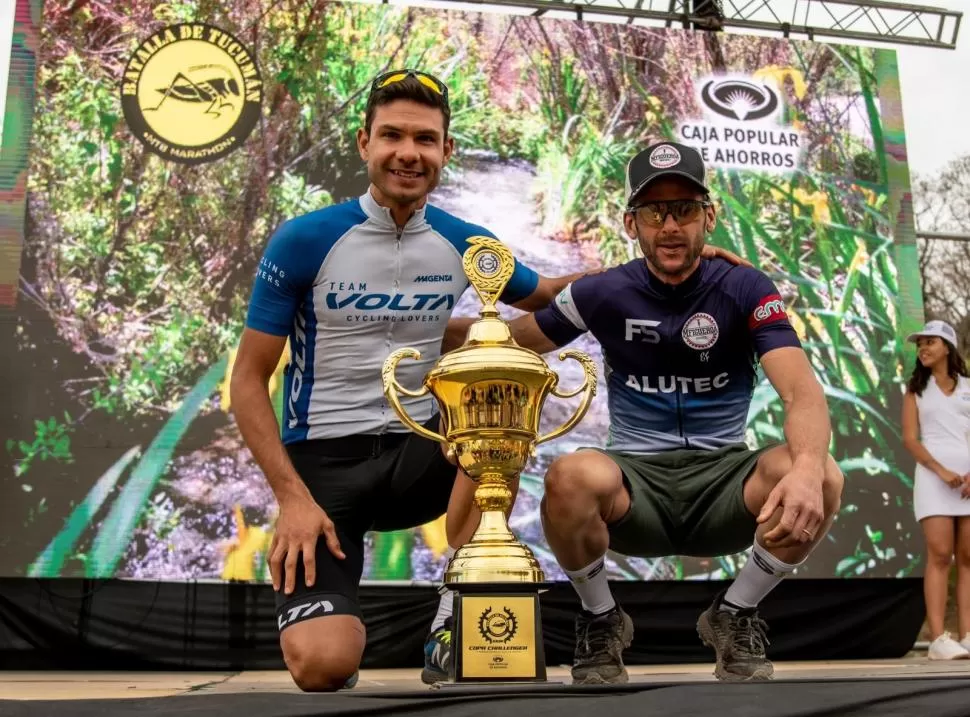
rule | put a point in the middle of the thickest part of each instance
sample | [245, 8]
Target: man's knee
[776, 463]
[322, 658]
[315, 673]
[579, 478]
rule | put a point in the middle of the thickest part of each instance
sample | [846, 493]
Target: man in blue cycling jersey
[681, 336]
[348, 285]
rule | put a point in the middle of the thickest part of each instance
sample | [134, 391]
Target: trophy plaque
[490, 392]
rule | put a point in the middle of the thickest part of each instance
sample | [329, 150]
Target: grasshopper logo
[304, 611]
[299, 368]
[191, 93]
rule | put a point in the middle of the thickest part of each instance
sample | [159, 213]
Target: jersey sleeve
[523, 281]
[283, 276]
[565, 319]
[522, 284]
[767, 318]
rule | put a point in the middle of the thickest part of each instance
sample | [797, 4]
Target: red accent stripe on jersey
[771, 308]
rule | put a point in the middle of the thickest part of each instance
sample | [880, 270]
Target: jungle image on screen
[136, 272]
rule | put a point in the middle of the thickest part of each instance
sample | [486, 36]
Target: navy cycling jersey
[348, 289]
[680, 360]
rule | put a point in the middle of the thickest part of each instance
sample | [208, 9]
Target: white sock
[757, 578]
[447, 601]
[592, 587]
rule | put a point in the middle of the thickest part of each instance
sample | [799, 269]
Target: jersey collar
[382, 215]
[673, 291]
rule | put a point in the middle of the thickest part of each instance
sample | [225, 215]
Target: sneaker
[946, 648]
[600, 641]
[738, 642]
[437, 655]
[966, 642]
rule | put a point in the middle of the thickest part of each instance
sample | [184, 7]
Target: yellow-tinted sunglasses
[429, 81]
[684, 211]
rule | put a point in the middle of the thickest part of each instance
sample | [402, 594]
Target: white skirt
[931, 496]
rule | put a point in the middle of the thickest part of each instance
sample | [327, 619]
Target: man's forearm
[547, 291]
[561, 282]
[808, 429]
[260, 430]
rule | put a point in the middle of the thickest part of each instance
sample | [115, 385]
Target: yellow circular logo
[192, 93]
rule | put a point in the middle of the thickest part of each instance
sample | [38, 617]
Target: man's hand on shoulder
[709, 251]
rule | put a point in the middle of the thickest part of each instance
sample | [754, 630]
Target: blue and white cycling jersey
[680, 360]
[348, 288]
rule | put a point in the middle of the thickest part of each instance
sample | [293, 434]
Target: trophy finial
[488, 264]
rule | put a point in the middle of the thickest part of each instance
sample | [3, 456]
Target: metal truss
[877, 21]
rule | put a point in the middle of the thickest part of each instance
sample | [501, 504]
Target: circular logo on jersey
[488, 263]
[191, 93]
[664, 156]
[700, 332]
[497, 625]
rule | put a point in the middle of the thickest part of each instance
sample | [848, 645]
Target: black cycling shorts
[365, 482]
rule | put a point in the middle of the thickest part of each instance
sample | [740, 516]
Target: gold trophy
[491, 392]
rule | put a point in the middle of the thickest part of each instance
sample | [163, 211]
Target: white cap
[935, 328]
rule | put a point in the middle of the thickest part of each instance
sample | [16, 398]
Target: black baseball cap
[664, 159]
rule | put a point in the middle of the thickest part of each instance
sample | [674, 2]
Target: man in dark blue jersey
[681, 336]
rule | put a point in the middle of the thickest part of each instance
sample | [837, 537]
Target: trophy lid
[489, 264]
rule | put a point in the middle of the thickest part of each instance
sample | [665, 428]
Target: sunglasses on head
[429, 81]
[684, 211]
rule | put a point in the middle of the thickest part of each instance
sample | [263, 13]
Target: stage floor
[908, 686]
[126, 685]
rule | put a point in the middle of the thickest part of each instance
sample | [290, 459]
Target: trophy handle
[392, 388]
[589, 385]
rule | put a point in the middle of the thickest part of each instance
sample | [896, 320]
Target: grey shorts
[685, 502]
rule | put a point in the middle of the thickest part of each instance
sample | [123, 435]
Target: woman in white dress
[936, 430]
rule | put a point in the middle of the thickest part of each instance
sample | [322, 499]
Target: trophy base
[493, 555]
[478, 686]
[488, 565]
[498, 634]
